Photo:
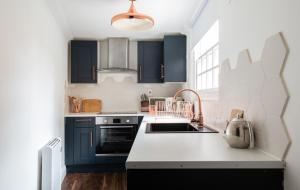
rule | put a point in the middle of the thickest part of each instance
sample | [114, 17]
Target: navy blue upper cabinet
[175, 58]
[150, 61]
[83, 61]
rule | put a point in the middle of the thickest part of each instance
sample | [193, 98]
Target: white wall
[121, 92]
[246, 25]
[33, 67]
[207, 18]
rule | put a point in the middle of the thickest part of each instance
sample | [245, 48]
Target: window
[206, 60]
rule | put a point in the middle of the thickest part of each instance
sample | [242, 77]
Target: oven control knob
[105, 121]
[127, 121]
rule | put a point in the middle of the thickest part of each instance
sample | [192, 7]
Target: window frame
[196, 63]
[208, 43]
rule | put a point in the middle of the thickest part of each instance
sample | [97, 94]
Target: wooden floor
[95, 181]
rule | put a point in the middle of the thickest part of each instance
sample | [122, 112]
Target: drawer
[84, 122]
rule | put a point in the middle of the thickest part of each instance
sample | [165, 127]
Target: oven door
[114, 140]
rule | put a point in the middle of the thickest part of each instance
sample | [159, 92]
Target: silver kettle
[239, 133]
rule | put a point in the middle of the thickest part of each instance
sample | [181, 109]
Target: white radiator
[51, 165]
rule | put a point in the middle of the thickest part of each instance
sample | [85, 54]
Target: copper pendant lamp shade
[132, 20]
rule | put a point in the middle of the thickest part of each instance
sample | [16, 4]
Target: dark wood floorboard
[95, 181]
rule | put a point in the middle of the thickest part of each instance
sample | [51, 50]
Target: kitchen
[171, 94]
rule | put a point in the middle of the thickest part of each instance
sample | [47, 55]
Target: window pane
[216, 78]
[209, 80]
[216, 56]
[203, 81]
[199, 82]
[209, 60]
[198, 66]
[203, 63]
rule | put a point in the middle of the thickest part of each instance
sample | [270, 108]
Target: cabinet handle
[94, 72]
[91, 137]
[162, 67]
[140, 73]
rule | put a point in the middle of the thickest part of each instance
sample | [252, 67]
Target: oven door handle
[116, 127]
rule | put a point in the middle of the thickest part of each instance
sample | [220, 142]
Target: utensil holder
[75, 104]
[145, 106]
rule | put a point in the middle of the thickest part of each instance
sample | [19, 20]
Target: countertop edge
[99, 114]
[206, 165]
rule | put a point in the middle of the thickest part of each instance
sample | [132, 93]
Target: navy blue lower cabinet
[80, 148]
[69, 141]
[205, 179]
[84, 145]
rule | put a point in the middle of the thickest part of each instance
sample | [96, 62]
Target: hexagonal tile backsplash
[258, 88]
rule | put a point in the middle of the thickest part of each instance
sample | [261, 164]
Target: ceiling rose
[132, 20]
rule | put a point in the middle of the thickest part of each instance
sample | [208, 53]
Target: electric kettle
[239, 133]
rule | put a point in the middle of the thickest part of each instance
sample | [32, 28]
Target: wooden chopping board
[91, 105]
[235, 112]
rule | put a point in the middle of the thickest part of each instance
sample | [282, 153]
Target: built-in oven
[115, 135]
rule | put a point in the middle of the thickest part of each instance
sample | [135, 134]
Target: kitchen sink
[177, 128]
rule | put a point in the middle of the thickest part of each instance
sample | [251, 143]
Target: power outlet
[149, 92]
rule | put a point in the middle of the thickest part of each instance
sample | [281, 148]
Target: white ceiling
[91, 18]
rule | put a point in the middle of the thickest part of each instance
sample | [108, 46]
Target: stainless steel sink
[177, 128]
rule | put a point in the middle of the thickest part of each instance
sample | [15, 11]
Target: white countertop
[187, 150]
[192, 150]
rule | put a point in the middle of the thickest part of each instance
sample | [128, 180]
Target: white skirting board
[63, 173]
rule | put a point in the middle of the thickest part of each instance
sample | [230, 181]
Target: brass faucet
[198, 119]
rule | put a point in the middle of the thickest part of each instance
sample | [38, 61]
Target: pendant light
[132, 20]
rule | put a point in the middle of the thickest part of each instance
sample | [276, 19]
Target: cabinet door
[69, 141]
[84, 145]
[83, 61]
[175, 58]
[150, 61]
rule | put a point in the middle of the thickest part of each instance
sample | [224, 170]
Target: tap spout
[198, 119]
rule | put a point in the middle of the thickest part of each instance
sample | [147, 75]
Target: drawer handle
[83, 120]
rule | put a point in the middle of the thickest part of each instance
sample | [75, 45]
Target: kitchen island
[198, 161]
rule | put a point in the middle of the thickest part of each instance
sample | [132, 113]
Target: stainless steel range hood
[114, 55]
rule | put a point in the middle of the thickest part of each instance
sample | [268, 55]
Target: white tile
[258, 89]
[225, 80]
[243, 66]
[224, 73]
[224, 110]
[256, 79]
[260, 139]
[274, 96]
[241, 96]
[256, 114]
[277, 138]
[273, 56]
